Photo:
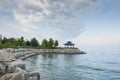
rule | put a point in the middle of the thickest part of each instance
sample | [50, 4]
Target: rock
[6, 77]
[12, 66]
[34, 74]
[16, 70]
[34, 78]
[25, 73]
[18, 76]
[2, 70]
[6, 56]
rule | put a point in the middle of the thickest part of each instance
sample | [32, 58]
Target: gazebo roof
[69, 43]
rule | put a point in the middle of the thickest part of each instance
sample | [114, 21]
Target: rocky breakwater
[22, 54]
[12, 68]
[68, 51]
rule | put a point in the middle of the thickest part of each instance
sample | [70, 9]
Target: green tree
[11, 40]
[21, 41]
[27, 43]
[16, 43]
[44, 43]
[50, 43]
[34, 42]
[4, 40]
[56, 44]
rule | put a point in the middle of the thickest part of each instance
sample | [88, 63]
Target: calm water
[91, 66]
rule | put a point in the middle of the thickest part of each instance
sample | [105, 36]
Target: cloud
[60, 14]
[27, 24]
[66, 29]
[7, 6]
[44, 9]
[55, 13]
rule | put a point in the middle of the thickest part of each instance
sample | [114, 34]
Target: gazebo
[69, 44]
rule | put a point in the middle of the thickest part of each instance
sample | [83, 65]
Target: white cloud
[54, 13]
[7, 6]
[46, 9]
[25, 30]
[61, 14]
[27, 24]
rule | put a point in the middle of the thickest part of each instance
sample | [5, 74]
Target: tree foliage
[44, 43]
[12, 42]
[34, 42]
[21, 41]
[56, 44]
[49, 44]
[28, 43]
[4, 40]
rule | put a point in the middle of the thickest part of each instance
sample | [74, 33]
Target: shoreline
[11, 61]
[23, 53]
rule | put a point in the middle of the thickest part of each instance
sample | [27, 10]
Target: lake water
[90, 66]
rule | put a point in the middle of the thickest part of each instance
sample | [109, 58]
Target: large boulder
[6, 77]
[18, 76]
[2, 70]
[25, 73]
[12, 66]
[34, 76]
[6, 56]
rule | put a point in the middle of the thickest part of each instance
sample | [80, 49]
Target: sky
[87, 23]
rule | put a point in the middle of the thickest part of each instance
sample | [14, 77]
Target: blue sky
[88, 23]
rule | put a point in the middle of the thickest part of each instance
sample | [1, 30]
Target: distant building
[69, 44]
[0, 38]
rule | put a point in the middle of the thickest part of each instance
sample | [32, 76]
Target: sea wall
[21, 53]
[60, 50]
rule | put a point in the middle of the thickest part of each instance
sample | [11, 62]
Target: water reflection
[49, 56]
[48, 61]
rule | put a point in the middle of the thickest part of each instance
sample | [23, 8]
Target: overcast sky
[85, 22]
